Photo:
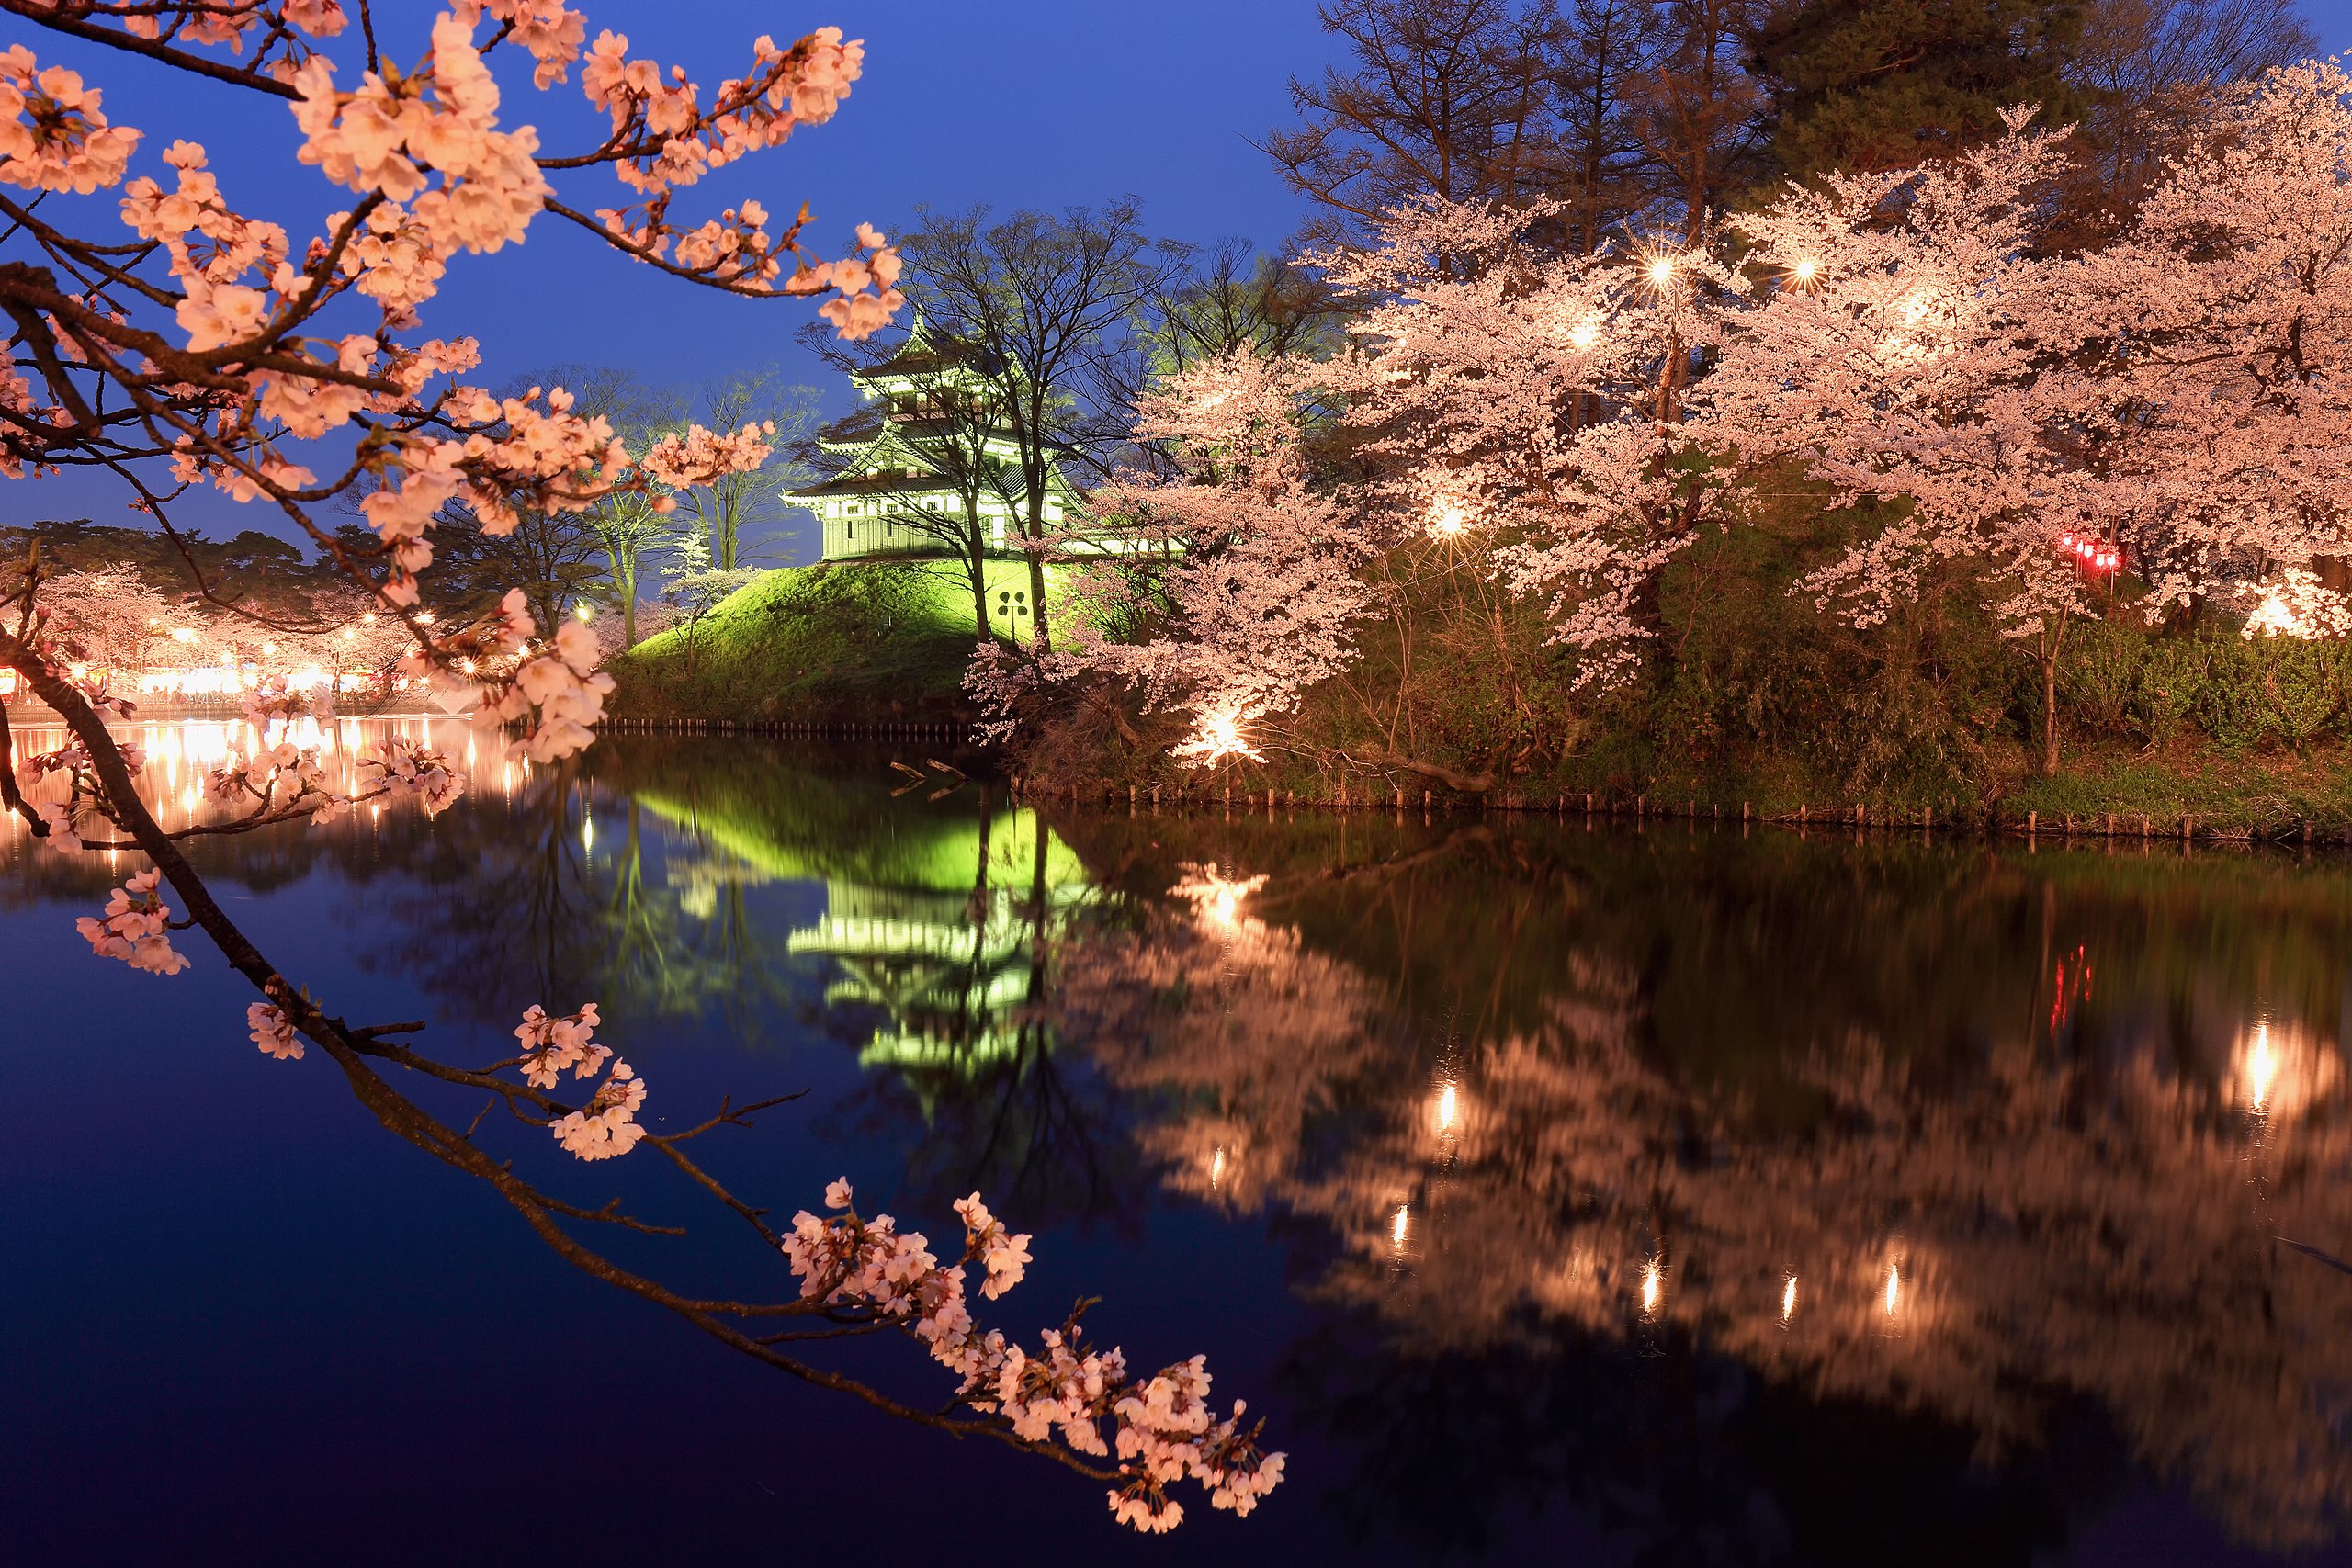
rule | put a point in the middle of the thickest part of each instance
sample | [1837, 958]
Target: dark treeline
[1657, 116]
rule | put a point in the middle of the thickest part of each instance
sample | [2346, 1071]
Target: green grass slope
[862, 641]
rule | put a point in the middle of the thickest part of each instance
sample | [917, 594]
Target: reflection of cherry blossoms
[1978, 1249]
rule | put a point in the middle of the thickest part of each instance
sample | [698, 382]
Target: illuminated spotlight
[1805, 270]
[1584, 334]
[587, 612]
[1661, 271]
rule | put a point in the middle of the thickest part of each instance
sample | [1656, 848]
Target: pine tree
[1865, 85]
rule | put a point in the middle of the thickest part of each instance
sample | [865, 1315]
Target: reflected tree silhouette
[1747, 1116]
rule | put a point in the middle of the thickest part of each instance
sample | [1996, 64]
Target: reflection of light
[1894, 1287]
[1217, 897]
[587, 832]
[1396, 1230]
[1447, 1105]
[1653, 1286]
[2279, 1070]
[2261, 1068]
[1789, 1299]
[1217, 1168]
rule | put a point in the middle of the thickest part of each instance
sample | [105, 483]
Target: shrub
[2302, 685]
[2171, 678]
[2098, 679]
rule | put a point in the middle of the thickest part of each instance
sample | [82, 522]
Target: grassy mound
[860, 641]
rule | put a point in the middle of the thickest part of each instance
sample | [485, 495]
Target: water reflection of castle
[946, 942]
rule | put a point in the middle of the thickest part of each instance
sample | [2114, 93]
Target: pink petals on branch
[607, 1129]
[1161, 1429]
[552, 1044]
[134, 926]
[52, 136]
[273, 1032]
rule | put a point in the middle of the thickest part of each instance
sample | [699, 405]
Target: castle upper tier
[924, 438]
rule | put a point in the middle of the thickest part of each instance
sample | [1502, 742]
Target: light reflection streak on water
[181, 754]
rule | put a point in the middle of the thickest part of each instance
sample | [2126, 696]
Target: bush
[2233, 706]
[2171, 678]
[2099, 680]
[2302, 684]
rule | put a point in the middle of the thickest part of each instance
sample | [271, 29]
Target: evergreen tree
[1873, 85]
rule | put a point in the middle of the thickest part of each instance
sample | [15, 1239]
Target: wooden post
[2032, 823]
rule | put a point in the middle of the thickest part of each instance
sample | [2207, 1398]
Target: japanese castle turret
[925, 458]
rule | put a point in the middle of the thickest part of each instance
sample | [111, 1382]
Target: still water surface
[1679, 1196]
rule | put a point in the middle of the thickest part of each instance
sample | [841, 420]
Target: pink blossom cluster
[552, 1044]
[607, 1128]
[1267, 593]
[405, 766]
[556, 696]
[387, 136]
[52, 133]
[550, 30]
[284, 778]
[270, 700]
[1163, 1428]
[868, 294]
[135, 927]
[672, 139]
[217, 309]
[273, 1032]
[218, 22]
[681, 459]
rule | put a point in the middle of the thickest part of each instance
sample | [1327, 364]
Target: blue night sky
[1037, 103]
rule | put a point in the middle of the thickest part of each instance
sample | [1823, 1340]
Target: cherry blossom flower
[551, 1044]
[53, 135]
[273, 1032]
[135, 928]
[607, 1128]
[1163, 1429]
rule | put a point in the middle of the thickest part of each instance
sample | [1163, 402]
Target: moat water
[1687, 1195]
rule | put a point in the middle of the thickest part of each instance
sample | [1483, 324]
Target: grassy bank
[865, 642]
